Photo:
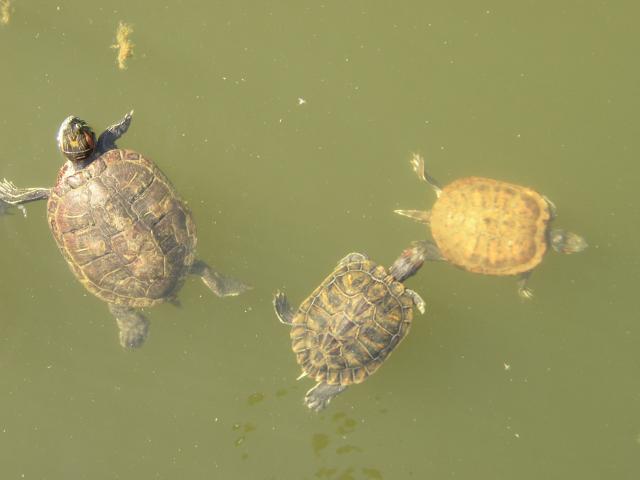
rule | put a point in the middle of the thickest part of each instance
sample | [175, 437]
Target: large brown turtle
[492, 227]
[350, 324]
[120, 225]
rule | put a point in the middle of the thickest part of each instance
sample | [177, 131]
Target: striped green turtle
[352, 322]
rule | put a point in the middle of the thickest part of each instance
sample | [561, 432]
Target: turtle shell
[491, 227]
[122, 228]
[349, 325]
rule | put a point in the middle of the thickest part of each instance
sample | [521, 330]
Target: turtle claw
[7, 189]
[417, 300]
[12, 195]
[525, 293]
[417, 163]
[523, 290]
[282, 308]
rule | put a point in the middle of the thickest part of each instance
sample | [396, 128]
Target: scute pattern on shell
[122, 228]
[490, 227]
[349, 325]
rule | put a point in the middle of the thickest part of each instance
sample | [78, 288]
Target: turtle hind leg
[283, 310]
[319, 396]
[420, 216]
[219, 284]
[133, 326]
[523, 290]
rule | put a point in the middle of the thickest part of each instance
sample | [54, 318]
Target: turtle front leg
[107, 139]
[319, 396]
[12, 195]
[417, 163]
[523, 290]
[133, 326]
[417, 300]
[283, 310]
[219, 284]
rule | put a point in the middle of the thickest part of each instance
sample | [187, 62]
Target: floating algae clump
[123, 44]
[5, 11]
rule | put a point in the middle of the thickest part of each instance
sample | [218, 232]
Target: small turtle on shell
[350, 324]
[492, 227]
[120, 225]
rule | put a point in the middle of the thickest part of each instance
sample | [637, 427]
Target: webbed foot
[523, 290]
[283, 310]
[417, 300]
[218, 283]
[108, 138]
[319, 396]
[417, 163]
[525, 293]
[133, 326]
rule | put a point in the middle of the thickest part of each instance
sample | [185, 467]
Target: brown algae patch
[123, 44]
[5, 12]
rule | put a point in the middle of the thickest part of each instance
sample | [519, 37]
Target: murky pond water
[288, 127]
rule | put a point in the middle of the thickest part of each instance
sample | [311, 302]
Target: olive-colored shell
[491, 227]
[348, 326]
[122, 228]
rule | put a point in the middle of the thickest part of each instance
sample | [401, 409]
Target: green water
[485, 386]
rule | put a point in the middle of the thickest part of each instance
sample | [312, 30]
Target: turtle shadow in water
[332, 447]
[320, 443]
[243, 430]
[8, 209]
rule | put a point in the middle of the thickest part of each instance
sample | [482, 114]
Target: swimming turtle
[492, 227]
[120, 225]
[350, 324]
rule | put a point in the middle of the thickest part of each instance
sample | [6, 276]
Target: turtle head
[412, 258]
[76, 139]
[566, 242]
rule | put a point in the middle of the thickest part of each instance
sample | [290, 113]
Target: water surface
[288, 127]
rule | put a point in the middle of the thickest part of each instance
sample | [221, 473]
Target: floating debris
[5, 12]
[255, 398]
[123, 44]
